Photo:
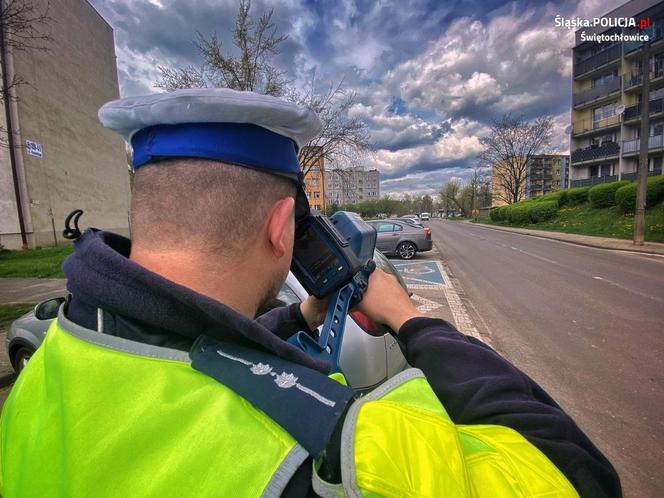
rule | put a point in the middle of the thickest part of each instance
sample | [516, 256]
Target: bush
[625, 197]
[518, 213]
[603, 195]
[560, 196]
[498, 213]
[542, 211]
[577, 195]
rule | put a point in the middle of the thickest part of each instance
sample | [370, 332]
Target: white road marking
[627, 289]
[426, 305]
[462, 320]
[432, 285]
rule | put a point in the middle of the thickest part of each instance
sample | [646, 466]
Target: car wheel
[406, 250]
[21, 358]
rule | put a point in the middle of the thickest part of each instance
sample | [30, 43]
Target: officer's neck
[206, 275]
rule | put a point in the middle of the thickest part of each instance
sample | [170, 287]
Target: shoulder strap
[304, 402]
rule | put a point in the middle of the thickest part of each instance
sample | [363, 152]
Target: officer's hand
[386, 302]
[314, 311]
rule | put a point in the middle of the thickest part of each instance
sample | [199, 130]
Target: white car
[425, 216]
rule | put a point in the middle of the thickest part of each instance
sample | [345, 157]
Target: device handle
[328, 345]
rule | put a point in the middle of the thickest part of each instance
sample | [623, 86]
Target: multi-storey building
[607, 87]
[352, 185]
[542, 174]
[314, 183]
[547, 173]
[62, 158]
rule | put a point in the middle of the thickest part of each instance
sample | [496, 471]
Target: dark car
[400, 238]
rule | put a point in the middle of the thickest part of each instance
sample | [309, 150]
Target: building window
[604, 112]
[604, 79]
[316, 195]
[601, 140]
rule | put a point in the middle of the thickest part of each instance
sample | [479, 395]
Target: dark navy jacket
[474, 383]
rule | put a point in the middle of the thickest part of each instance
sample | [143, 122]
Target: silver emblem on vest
[283, 380]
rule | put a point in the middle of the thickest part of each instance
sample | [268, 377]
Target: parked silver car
[411, 221]
[400, 238]
[366, 360]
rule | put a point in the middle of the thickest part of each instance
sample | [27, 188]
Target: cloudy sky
[430, 76]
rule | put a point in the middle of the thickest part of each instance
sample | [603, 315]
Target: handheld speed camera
[332, 256]
[329, 252]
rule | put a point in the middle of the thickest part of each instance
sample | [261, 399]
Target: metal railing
[634, 175]
[596, 92]
[593, 62]
[634, 79]
[594, 153]
[634, 145]
[634, 112]
[595, 180]
[655, 33]
[587, 125]
[589, 182]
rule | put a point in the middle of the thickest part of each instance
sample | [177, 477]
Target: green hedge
[542, 211]
[517, 213]
[577, 195]
[525, 212]
[559, 195]
[498, 213]
[603, 195]
[625, 197]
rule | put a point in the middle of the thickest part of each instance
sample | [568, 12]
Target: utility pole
[642, 176]
[7, 96]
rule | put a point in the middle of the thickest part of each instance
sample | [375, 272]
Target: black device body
[329, 252]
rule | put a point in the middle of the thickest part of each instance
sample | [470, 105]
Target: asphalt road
[587, 324]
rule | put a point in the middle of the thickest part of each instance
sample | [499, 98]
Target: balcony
[594, 94]
[655, 34]
[596, 61]
[632, 147]
[634, 176]
[589, 126]
[592, 154]
[634, 112]
[632, 81]
[589, 182]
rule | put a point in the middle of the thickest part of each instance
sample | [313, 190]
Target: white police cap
[210, 105]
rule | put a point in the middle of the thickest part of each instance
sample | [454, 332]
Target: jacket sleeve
[478, 386]
[284, 321]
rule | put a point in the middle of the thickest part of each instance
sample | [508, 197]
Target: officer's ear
[279, 226]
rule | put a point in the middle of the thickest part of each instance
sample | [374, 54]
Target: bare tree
[509, 148]
[343, 138]
[21, 29]
[257, 42]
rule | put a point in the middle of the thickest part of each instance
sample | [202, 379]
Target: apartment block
[606, 98]
[314, 183]
[352, 185]
[547, 173]
[62, 159]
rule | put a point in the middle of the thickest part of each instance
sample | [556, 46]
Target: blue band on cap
[239, 143]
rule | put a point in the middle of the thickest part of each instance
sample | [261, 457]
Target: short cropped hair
[202, 204]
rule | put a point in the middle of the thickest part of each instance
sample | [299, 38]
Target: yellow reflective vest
[94, 415]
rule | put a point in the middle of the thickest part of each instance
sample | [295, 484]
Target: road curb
[559, 238]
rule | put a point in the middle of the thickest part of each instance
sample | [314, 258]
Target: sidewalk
[584, 240]
[30, 290]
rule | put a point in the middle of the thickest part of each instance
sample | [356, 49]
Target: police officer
[155, 379]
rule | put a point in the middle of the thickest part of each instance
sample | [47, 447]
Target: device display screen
[314, 255]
